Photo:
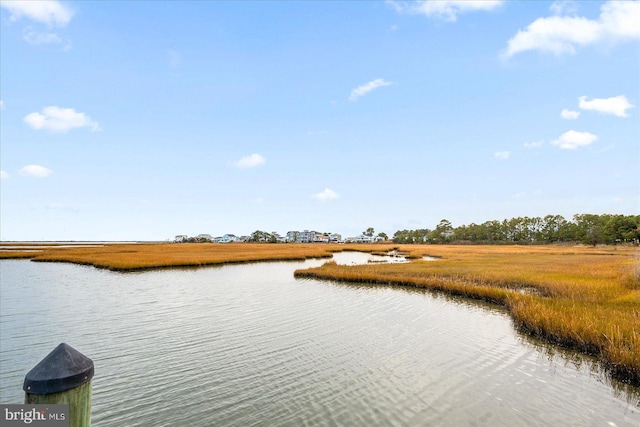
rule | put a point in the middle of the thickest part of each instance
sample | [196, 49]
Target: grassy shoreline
[582, 298]
[140, 257]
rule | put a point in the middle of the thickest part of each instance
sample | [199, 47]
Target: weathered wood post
[62, 377]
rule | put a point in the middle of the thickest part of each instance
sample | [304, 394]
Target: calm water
[250, 345]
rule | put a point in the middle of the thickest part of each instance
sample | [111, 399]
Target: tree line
[589, 229]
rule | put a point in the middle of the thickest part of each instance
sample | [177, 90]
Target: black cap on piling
[62, 369]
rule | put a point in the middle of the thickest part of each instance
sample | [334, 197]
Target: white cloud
[60, 120]
[569, 114]
[556, 34]
[444, 9]
[250, 161]
[620, 19]
[502, 155]
[572, 139]
[50, 12]
[617, 105]
[368, 87]
[618, 22]
[35, 171]
[327, 194]
[4, 175]
[562, 7]
[534, 144]
[33, 37]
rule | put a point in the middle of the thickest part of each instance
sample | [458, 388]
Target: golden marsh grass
[128, 257]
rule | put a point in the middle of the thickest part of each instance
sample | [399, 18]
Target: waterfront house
[320, 238]
[227, 238]
[363, 239]
[306, 236]
[335, 237]
[278, 237]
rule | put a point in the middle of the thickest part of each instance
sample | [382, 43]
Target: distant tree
[402, 236]
[585, 228]
[443, 232]
[590, 228]
[383, 236]
[494, 231]
[262, 236]
[369, 232]
[553, 228]
[412, 236]
[620, 228]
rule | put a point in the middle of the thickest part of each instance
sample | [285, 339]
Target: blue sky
[125, 120]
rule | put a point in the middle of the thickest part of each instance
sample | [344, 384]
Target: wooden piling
[63, 377]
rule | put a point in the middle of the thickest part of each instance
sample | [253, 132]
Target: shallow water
[249, 344]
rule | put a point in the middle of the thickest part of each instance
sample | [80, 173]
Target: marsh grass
[18, 254]
[633, 278]
[131, 257]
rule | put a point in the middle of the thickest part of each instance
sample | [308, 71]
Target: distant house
[292, 236]
[227, 238]
[364, 239]
[180, 238]
[278, 237]
[306, 236]
[320, 238]
[335, 237]
[201, 237]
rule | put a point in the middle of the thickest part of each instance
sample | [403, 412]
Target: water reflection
[359, 258]
[554, 354]
[581, 362]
